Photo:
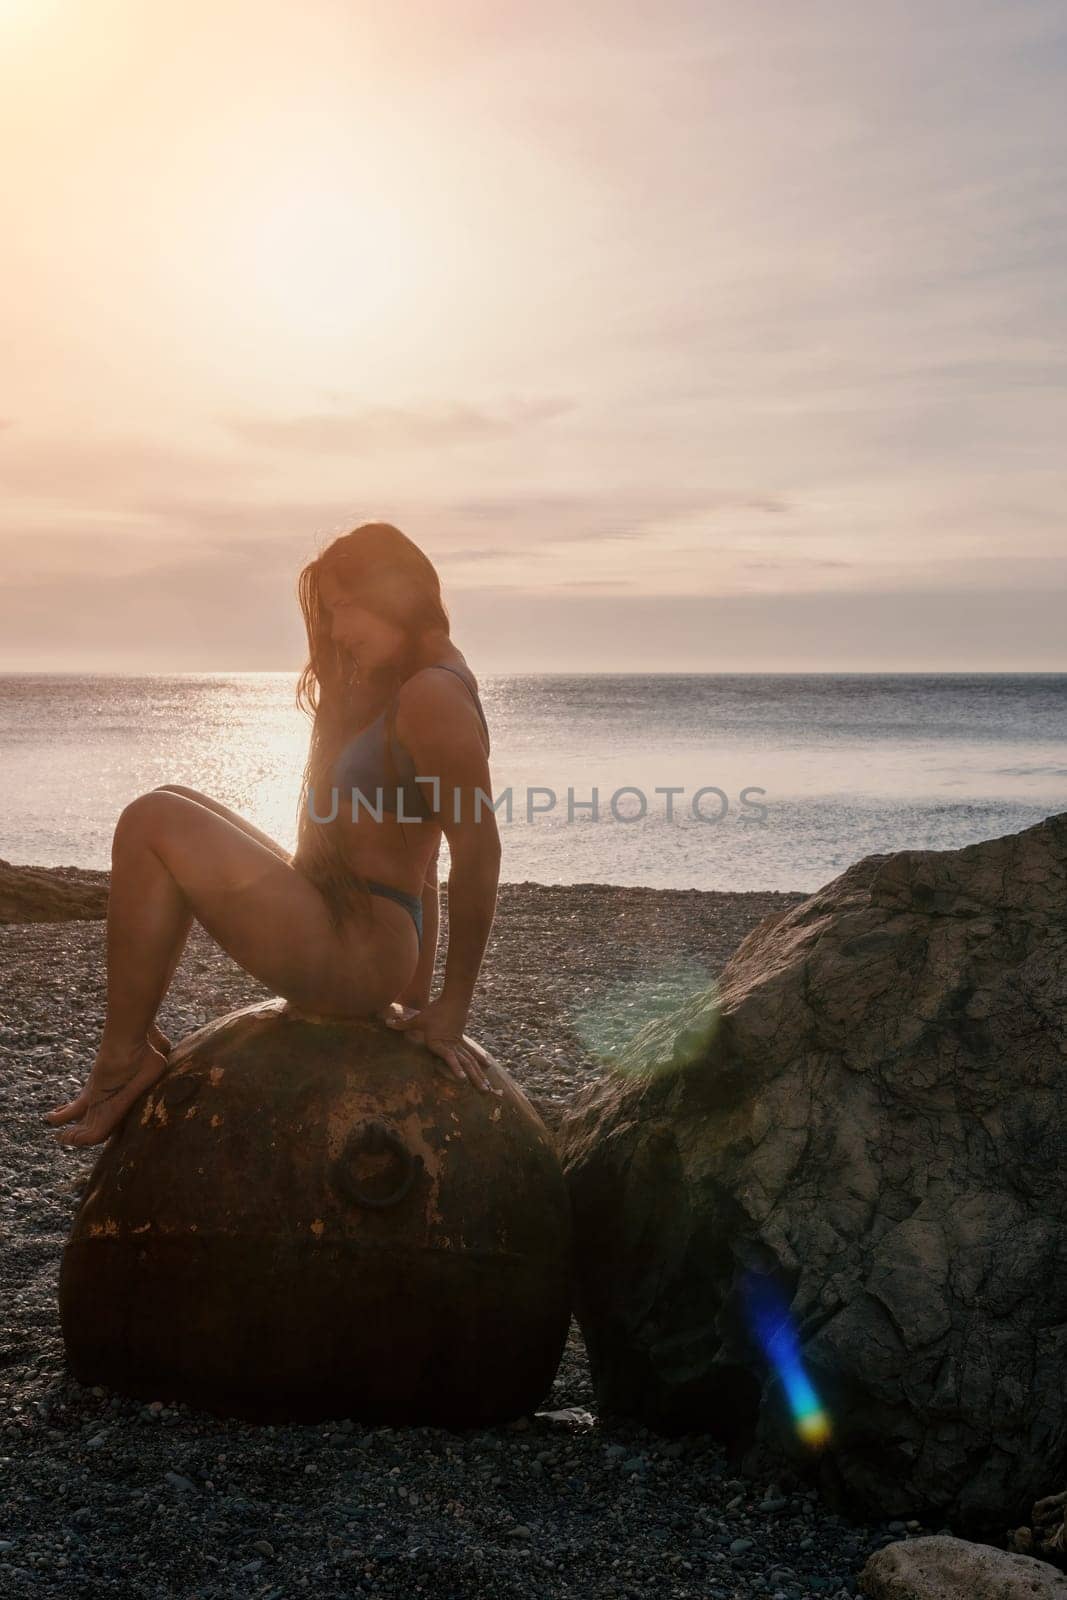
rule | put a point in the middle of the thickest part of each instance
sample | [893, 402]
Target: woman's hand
[440, 1028]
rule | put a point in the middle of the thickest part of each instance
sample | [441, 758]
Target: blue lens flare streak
[772, 1325]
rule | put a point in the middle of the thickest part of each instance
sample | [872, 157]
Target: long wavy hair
[387, 573]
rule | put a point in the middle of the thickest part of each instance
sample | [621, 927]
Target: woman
[348, 924]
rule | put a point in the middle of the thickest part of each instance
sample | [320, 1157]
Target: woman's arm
[472, 887]
[444, 736]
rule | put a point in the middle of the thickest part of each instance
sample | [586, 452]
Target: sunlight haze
[696, 337]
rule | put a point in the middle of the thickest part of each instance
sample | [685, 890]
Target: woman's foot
[110, 1091]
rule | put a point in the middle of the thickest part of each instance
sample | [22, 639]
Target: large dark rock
[52, 894]
[306, 1219]
[867, 1125]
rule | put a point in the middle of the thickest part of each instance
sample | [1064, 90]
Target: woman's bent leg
[173, 858]
[231, 816]
[156, 1035]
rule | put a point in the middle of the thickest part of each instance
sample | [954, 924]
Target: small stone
[264, 1548]
[178, 1480]
[928, 1568]
[572, 1417]
[519, 1531]
[739, 1546]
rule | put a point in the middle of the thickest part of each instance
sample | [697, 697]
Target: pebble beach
[101, 1495]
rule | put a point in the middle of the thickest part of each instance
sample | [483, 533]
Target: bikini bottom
[411, 902]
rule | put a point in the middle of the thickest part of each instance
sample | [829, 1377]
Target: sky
[700, 336]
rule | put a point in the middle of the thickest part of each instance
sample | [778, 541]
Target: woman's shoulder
[454, 666]
[430, 693]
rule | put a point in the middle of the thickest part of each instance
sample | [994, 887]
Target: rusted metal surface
[304, 1219]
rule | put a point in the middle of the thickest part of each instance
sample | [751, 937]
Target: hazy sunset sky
[688, 336]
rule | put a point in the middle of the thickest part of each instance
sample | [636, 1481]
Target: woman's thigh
[264, 912]
[224, 811]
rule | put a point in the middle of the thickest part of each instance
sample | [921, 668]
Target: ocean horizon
[732, 781]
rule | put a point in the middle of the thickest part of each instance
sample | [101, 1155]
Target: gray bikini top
[362, 764]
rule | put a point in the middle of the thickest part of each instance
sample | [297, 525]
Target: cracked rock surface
[863, 1128]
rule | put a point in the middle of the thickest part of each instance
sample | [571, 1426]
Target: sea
[700, 781]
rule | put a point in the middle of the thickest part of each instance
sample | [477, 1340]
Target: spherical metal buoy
[304, 1219]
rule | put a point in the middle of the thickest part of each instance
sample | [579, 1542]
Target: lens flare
[641, 1026]
[772, 1324]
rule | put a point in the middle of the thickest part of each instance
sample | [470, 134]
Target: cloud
[372, 428]
[192, 619]
[796, 561]
[744, 298]
[113, 469]
[181, 614]
[947, 628]
[474, 553]
[527, 522]
[505, 508]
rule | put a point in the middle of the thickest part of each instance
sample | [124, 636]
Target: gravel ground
[100, 1495]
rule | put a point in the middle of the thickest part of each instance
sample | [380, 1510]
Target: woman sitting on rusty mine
[347, 926]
